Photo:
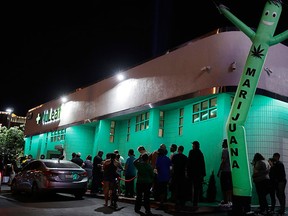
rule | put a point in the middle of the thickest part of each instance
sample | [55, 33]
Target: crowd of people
[158, 175]
[173, 177]
[269, 178]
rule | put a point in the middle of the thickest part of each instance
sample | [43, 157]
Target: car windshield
[60, 164]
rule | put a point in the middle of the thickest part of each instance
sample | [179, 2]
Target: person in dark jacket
[97, 173]
[145, 177]
[78, 160]
[110, 180]
[196, 172]
[179, 168]
[88, 166]
[261, 179]
[280, 181]
[130, 174]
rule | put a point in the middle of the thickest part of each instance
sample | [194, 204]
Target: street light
[9, 110]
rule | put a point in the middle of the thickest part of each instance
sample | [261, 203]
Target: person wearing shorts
[225, 175]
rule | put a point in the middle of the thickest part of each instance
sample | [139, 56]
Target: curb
[204, 208]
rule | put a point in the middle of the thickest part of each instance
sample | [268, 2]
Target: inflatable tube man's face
[270, 17]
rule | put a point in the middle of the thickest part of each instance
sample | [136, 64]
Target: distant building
[11, 120]
[179, 97]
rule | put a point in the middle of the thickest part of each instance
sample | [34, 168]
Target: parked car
[51, 175]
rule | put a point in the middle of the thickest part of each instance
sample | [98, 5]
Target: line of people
[105, 174]
[157, 173]
[182, 175]
[269, 178]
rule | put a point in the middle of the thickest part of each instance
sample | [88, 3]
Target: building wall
[266, 128]
[79, 139]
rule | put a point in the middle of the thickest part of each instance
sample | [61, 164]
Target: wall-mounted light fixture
[268, 71]
[206, 69]
[120, 76]
[63, 99]
[233, 66]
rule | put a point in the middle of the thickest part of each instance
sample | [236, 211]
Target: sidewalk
[204, 208]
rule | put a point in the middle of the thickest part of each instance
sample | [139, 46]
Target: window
[142, 121]
[128, 130]
[161, 124]
[204, 110]
[112, 131]
[181, 121]
[58, 135]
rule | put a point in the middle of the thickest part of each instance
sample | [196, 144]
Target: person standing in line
[173, 150]
[121, 158]
[225, 175]
[110, 180]
[280, 182]
[130, 174]
[142, 150]
[119, 171]
[153, 159]
[145, 177]
[154, 155]
[272, 188]
[179, 170]
[78, 160]
[97, 173]
[88, 166]
[261, 169]
[73, 155]
[163, 170]
[196, 171]
[14, 171]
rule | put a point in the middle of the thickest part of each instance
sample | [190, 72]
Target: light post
[9, 110]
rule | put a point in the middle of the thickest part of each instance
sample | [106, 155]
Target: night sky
[51, 48]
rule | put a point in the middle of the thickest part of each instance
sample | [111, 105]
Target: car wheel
[14, 189]
[34, 190]
[79, 195]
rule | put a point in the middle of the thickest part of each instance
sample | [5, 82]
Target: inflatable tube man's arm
[238, 23]
[279, 38]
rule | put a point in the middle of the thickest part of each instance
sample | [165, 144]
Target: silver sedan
[51, 175]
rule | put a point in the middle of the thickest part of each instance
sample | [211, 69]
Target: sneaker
[260, 213]
[280, 211]
[195, 208]
[225, 205]
[148, 213]
[160, 208]
[222, 203]
[137, 211]
[114, 206]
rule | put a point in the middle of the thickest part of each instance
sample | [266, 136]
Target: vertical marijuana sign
[262, 39]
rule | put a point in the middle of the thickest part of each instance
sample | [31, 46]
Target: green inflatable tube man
[262, 39]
